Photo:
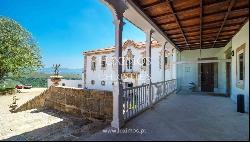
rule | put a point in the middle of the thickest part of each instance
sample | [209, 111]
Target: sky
[64, 29]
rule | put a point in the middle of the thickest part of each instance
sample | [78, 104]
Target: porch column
[148, 56]
[163, 66]
[117, 7]
[118, 120]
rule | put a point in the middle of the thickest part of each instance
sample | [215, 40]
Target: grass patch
[2, 90]
[9, 83]
[7, 91]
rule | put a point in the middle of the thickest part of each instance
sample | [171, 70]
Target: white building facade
[99, 65]
[68, 83]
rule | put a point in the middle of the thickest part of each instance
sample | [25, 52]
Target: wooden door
[207, 77]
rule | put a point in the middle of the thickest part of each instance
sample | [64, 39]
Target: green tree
[19, 53]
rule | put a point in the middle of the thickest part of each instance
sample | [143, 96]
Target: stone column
[118, 120]
[117, 7]
[148, 67]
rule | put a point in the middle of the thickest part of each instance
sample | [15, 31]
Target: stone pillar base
[55, 79]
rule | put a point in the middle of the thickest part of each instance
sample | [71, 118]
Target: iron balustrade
[136, 99]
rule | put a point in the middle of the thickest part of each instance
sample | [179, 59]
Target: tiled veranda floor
[185, 117]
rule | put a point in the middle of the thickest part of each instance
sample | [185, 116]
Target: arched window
[143, 60]
[93, 63]
[129, 60]
[130, 64]
[103, 63]
[63, 84]
[92, 82]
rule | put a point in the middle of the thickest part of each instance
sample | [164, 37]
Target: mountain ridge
[61, 70]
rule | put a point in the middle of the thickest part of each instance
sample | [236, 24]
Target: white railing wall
[136, 99]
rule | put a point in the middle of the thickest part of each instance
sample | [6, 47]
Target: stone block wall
[36, 102]
[85, 103]
[88, 103]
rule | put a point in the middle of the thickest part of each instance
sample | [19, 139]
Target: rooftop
[127, 43]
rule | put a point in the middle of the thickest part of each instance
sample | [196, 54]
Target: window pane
[144, 62]
[103, 63]
[130, 84]
[127, 64]
[241, 66]
[166, 60]
[93, 66]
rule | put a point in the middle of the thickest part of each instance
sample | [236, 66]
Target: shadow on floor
[70, 128]
[185, 117]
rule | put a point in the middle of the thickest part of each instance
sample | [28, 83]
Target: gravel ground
[41, 124]
[24, 96]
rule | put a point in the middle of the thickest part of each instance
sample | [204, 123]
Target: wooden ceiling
[197, 24]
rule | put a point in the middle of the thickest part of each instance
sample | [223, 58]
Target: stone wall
[36, 102]
[86, 103]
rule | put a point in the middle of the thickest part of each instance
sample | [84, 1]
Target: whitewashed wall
[240, 38]
[99, 75]
[68, 83]
[189, 72]
[183, 77]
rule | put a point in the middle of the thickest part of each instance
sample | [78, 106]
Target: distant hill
[39, 78]
[61, 71]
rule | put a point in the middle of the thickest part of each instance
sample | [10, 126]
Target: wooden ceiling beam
[168, 13]
[195, 48]
[206, 24]
[215, 30]
[188, 8]
[170, 4]
[204, 43]
[161, 15]
[197, 41]
[165, 35]
[212, 34]
[201, 13]
[212, 25]
[225, 19]
[212, 14]
[148, 6]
